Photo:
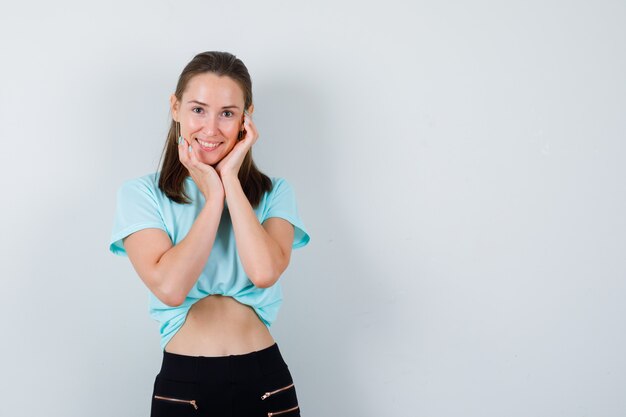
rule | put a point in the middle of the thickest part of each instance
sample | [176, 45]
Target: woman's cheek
[193, 126]
[230, 130]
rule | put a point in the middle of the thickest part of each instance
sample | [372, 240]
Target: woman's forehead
[210, 89]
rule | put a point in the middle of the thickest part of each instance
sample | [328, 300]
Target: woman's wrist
[215, 201]
[229, 180]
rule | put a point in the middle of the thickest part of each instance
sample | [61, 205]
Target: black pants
[255, 384]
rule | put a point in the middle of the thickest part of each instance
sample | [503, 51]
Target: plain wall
[459, 165]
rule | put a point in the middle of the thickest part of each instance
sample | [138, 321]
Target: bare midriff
[220, 326]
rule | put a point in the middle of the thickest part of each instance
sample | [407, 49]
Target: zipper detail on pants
[267, 394]
[192, 402]
[275, 413]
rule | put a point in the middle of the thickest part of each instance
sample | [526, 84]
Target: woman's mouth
[208, 146]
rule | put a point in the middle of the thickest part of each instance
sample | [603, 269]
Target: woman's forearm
[180, 267]
[259, 253]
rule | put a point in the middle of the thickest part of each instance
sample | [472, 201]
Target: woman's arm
[265, 249]
[171, 271]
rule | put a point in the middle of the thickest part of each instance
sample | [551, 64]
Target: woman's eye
[197, 108]
[228, 113]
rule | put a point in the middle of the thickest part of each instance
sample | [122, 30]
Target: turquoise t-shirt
[141, 204]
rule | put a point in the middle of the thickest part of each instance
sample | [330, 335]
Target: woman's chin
[212, 161]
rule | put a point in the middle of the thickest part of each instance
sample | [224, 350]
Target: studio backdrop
[459, 165]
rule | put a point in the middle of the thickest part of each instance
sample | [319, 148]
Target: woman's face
[210, 115]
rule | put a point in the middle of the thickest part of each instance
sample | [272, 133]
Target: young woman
[210, 235]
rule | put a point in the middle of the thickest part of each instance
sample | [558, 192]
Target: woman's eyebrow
[232, 106]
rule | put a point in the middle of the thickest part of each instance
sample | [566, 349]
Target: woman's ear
[251, 109]
[174, 107]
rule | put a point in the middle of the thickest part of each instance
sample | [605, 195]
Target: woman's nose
[210, 126]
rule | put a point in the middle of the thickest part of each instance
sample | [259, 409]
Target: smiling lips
[208, 146]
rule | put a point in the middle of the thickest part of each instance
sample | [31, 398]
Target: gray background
[460, 167]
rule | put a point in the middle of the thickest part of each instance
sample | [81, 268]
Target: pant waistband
[231, 368]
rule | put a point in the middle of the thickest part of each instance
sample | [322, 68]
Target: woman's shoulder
[148, 183]
[278, 184]
[281, 189]
[278, 181]
[149, 179]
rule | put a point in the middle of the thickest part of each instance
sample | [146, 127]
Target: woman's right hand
[205, 176]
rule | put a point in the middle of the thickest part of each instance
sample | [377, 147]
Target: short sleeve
[282, 203]
[136, 209]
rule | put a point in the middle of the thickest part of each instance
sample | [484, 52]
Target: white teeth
[207, 144]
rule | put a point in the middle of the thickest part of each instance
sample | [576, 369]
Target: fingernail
[180, 140]
[189, 148]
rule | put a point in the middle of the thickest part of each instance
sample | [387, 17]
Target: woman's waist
[217, 326]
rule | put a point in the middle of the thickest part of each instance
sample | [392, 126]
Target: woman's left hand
[230, 164]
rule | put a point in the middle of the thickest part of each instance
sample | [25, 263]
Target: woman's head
[212, 93]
